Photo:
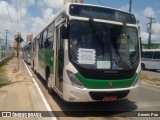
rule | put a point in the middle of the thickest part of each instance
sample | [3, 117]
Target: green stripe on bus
[46, 58]
[104, 84]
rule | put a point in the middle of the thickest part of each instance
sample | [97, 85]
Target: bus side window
[148, 55]
[156, 55]
[50, 37]
[40, 41]
[44, 40]
[46, 43]
[142, 55]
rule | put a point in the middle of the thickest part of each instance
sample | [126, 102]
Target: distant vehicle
[150, 59]
[89, 53]
[27, 53]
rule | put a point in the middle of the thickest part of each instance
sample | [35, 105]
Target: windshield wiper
[97, 34]
[122, 31]
[118, 41]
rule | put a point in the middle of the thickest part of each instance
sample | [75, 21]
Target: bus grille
[101, 95]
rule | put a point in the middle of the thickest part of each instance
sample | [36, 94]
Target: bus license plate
[109, 98]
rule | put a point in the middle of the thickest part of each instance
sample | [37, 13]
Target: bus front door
[59, 60]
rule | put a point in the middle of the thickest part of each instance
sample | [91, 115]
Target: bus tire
[143, 66]
[48, 81]
[33, 65]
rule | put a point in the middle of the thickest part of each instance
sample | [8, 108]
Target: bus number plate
[109, 98]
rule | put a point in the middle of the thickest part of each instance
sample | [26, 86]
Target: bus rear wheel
[48, 80]
[33, 65]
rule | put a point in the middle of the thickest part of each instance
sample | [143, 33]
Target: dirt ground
[151, 79]
[16, 81]
[18, 92]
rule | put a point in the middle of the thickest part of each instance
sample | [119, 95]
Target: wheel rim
[49, 83]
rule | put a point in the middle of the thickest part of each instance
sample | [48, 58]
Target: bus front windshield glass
[96, 45]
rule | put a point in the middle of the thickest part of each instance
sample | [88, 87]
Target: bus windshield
[120, 46]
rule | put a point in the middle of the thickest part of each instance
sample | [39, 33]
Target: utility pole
[150, 30]
[130, 6]
[18, 39]
[18, 55]
[6, 37]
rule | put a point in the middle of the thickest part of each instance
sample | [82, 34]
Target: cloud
[149, 12]
[22, 4]
[4, 12]
[125, 8]
[8, 21]
[54, 3]
[48, 14]
[28, 24]
[38, 23]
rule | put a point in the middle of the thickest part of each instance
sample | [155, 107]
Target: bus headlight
[74, 80]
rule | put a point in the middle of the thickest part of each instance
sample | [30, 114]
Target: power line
[17, 9]
[8, 11]
[19, 4]
[100, 2]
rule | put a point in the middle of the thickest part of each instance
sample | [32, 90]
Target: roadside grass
[3, 79]
[150, 80]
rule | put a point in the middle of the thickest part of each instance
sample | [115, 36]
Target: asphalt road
[144, 98]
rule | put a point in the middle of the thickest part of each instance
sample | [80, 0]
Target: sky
[29, 16]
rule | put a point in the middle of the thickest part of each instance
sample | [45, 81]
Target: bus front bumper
[75, 94]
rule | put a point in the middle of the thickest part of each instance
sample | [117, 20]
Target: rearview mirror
[64, 32]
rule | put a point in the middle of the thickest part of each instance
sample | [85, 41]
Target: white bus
[89, 53]
[150, 59]
[27, 53]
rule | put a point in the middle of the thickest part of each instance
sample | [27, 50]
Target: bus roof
[98, 6]
[66, 6]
